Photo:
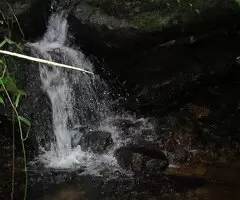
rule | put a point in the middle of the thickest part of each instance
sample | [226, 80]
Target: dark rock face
[36, 107]
[167, 62]
[181, 154]
[152, 15]
[142, 160]
[96, 141]
[114, 24]
[17, 6]
[27, 13]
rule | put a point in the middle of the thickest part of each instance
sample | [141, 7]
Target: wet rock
[96, 141]
[89, 14]
[161, 85]
[27, 14]
[18, 6]
[181, 154]
[142, 160]
[178, 156]
[112, 29]
[152, 15]
[124, 124]
[140, 129]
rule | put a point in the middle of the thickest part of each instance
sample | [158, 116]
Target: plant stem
[13, 158]
[22, 141]
[19, 27]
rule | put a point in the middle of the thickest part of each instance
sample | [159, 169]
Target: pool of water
[212, 182]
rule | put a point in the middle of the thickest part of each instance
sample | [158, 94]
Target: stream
[89, 143]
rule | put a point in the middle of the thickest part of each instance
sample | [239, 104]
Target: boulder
[156, 52]
[126, 23]
[141, 160]
[96, 141]
[181, 154]
[152, 15]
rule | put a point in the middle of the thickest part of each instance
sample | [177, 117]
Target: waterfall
[80, 104]
[78, 100]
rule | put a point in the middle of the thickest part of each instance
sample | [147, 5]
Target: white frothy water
[78, 100]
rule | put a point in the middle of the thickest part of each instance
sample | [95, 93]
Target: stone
[153, 51]
[181, 154]
[152, 15]
[124, 124]
[141, 160]
[96, 141]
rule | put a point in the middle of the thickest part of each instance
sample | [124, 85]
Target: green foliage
[238, 2]
[27, 123]
[1, 18]
[9, 88]
[238, 60]
[9, 84]
[2, 101]
[17, 100]
[13, 43]
[3, 68]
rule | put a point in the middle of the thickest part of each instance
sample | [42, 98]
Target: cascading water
[79, 102]
[75, 97]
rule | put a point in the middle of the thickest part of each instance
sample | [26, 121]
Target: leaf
[26, 122]
[17, 100]
[21, 92]
[238, 2]
[4, 68]
[10, 84]
[238, 59]
[2, 63]
[3, 18]
[2, 43]
[2, 101]
[13, 43]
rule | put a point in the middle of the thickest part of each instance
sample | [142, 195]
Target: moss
[171, 12]
[157, 14]
[151, 20]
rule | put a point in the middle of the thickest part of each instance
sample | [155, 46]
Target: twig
[15, 17]
[7, 22]
[3, 16]
[43, 61]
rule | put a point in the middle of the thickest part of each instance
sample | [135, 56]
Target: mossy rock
[162, 14]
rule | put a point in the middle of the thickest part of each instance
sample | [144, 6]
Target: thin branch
[43, 61]
[3, 16]
[15, 17]
[7, 22]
